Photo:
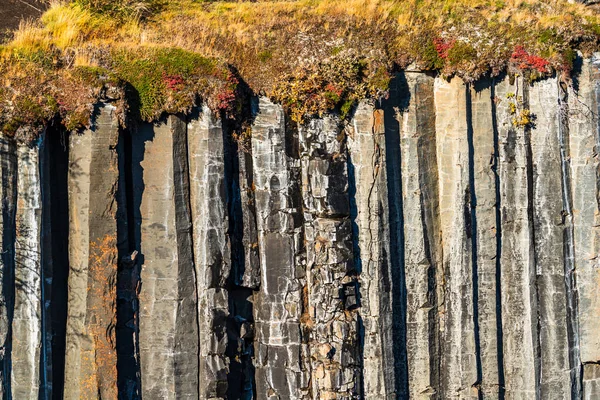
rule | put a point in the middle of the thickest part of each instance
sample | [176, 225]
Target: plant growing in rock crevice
[521, 117]
[335, 84]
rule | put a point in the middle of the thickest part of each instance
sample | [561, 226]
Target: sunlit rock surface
[441, 242]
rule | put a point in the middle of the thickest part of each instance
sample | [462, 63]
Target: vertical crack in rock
[27, 323]
[471, 222]
[549, 225]
[54, 165]
[330, 319]
[211, 249]
[572, 321]
[494, 100]
[277, 305]
[398, 102]
[91, 359]
[485, 226]
[459, 369]
[534, 264]
[187, 353]
[245, 268]
[420, 237]
[128, 277]
[518, 290]
[366, 146]
[46, 273]
[243, 232]
[584, 143]
[8, 163]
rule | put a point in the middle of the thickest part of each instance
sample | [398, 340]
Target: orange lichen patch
[378, 122]
[102, 311]
[305, 318]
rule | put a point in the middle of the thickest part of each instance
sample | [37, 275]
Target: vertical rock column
[27, 322]
[422, 241]
[91, 358]
[331, 296]
[211, 248]
[519, 300]
[549, 240]
[584, 143]
[366, 148]
[277, 305]
[459, 363]
[168, 297]
[483, 199]
[8, 163]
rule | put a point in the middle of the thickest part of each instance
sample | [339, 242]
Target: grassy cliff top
[157, 56]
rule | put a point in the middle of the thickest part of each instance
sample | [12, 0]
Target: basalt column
[27, 322]
[483, 222]
[584, 143]
[422, 240]
[211, 248]
[168, 329]
[331, 296]
[366, 148]
[8, 163]
[459, 374]
[91, 358]
[518, 289]
[277, 305]
[549, 219]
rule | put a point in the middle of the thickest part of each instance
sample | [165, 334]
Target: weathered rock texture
[91, 357]
[439, 243]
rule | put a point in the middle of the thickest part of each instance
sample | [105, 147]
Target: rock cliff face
[441, 243]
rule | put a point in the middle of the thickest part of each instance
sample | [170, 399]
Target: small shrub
[525, 61]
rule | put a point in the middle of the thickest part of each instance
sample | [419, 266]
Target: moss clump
[39, 87]
[166, 80]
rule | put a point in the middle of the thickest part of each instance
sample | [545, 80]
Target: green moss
[163, 80]
[461, 52]
[265, 55]
[427, 54]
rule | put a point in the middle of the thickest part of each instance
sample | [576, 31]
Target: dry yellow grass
[308, 54]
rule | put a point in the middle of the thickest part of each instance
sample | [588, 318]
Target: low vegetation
[157, 56]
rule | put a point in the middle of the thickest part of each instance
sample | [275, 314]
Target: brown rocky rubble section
[430, 247]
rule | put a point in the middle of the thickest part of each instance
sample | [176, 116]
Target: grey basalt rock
[277, 304]
[91, 357]
[440, 243]
[331, 293]
[168, 327]
[458, 363]
[549, 218]
[27, 318]
[518, 289]
[211, 248]
[422, 242]
[584, 143]
[8, 158]
[484, 218]
[369, 203]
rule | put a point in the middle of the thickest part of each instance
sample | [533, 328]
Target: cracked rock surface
[441, 242]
